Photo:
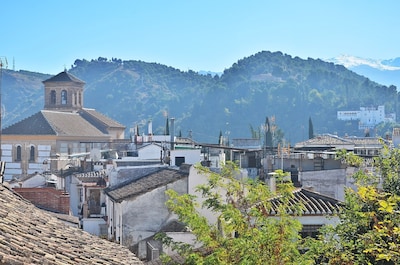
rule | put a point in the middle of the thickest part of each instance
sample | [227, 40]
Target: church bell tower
[63, 92]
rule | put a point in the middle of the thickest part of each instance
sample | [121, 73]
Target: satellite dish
[95, 154]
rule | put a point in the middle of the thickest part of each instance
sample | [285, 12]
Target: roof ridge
[50, 125]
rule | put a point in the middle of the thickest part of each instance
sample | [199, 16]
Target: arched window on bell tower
[53, 97]
[64, 97]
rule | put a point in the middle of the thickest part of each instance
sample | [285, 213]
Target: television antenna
[3, 62]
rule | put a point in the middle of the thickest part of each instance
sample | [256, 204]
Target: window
[94, 201]
[179, 160]
[53, 97]
[32, 154]
[63, 97]
[18, 157]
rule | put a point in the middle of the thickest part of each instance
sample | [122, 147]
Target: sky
[47, 36]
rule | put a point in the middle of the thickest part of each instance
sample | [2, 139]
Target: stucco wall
[327, 182]
[130, 173]
[145, 215]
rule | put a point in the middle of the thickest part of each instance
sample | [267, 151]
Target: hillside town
[71, 174]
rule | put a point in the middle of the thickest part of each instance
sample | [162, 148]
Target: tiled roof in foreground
[313, 203]
[29, 235]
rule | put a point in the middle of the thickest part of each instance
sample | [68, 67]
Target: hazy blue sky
[48, 35]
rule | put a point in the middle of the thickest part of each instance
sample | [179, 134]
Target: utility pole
[3, 61]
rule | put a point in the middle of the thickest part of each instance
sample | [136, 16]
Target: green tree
[255, 134]
[245, 232]
[268, 134]
[388, 167]
[310, 129]
[369, 227]
[167, 127]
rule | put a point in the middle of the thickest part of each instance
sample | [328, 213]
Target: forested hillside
[290, 89]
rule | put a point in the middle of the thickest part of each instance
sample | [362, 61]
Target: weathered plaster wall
[327, 182]
[145, 215]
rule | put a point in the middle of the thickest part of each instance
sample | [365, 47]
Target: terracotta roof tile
[70, 124]
[99, 120]
[29, 235]
[59, 123]
[33, 125]
[64, 77]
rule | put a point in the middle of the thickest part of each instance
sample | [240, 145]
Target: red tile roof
[29, 235]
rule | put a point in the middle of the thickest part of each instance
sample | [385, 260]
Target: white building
[368, 117]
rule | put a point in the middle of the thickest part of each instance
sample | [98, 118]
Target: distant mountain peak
[350, 61]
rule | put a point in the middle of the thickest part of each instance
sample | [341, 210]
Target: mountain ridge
[272, 84]
[385, 71]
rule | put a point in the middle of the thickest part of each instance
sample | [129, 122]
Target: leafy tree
[245, 232]
[367, 134]
[369, 228]
[388, 167]
[255, 134]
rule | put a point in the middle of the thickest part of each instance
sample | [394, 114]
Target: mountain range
[385, 72]
[289, 90]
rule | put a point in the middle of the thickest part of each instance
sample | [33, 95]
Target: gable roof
[33, 125]
[151, 181]
[47, 122]
[29, 235]
[64, 77]
[367, 141]
[325, 141]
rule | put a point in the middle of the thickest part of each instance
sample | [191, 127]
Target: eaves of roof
[64, 77]
[36, 124]
[149, 182]
[99, 120]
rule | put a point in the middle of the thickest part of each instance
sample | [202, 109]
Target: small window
[18, 156]
[179, 160]
[63, 97]
[32, 154]
[53, 97]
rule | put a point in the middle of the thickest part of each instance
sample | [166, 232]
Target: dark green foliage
[268, 134]
[310, 129]
[167, 127]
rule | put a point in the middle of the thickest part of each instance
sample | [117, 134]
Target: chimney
[272, 181]
[172, 133]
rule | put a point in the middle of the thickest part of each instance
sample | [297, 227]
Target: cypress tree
[167, 127]
[268, 134]
[310, 129]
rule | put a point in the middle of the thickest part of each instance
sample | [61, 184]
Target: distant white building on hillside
[368, 117]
